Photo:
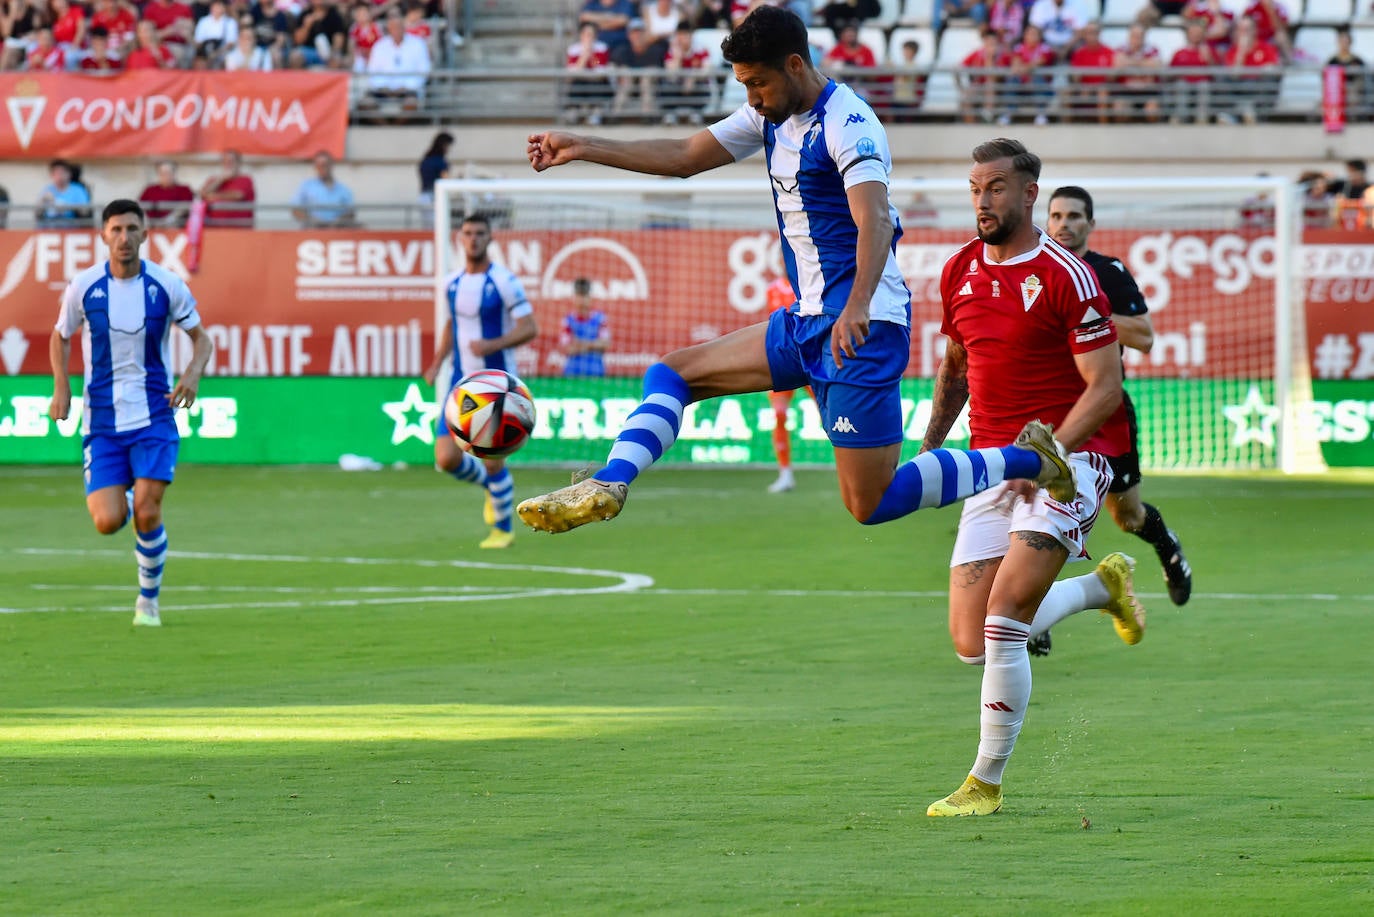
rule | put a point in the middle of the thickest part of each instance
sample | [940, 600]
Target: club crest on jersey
[996, 288]
[1030, 291]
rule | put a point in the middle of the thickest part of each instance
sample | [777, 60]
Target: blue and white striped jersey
[813, 158]
[125, 327]
[483, 306]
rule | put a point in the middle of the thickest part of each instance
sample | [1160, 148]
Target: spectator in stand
[1138, 91]
[229, 196]
[247, 54]
[661, 19]
[434, 165]
[1059, 22]
[640, 52]
[612, 20]
[417, 22]
[1031, 76]
[362, 35]
[215, 33]
[1190, 91]
[322, 200]
[399, 63]
[742, 8]
[1218, 21]
[585, 336]
[100, 59]
[319, 37]
[175, 24]
[1354, 67]
[839, 13]
[1008, 19]
[908, 83]
[273, 28]
[1091, 93]
[149, 52]
[1253, 67]
[119, 21]
[64, 201]
[715, 14]
[68, 25]
[587, 96]
[1153, 11]
[848, 55]
[1317, 200]
[976, 11]
[166, 190]
[22, 18]
[1271, 25]
[686, 89]
[1350, 195]
[46, 56]
[979, 90]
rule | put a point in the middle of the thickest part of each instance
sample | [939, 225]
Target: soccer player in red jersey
[1030, 337]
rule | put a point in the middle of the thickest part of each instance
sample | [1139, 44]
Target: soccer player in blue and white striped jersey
[489, 315]
[125, 308]
[848, 333]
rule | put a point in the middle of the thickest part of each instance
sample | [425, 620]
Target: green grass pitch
[724, 702]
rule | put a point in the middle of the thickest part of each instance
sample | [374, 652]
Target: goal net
[672, 263]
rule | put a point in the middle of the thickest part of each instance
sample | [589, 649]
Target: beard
[1006, 226]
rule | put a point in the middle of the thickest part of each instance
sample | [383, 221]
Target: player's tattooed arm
[951, 393]
[1038, 541]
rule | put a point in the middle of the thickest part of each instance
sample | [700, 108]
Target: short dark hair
[1355, 164]
[769, 36]
[1022, 159]
[1078, 194]
[582, 286]
[476, 218]
[118, 207]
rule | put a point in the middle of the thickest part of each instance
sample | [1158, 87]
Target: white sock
[1069, 597]
[1006, 694]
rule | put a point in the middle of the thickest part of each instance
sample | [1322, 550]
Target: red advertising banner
[1338, 282]
[1333, 99]
[154, 112]
[359, 303]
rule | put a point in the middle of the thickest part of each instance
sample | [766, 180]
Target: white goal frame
[1292, 380]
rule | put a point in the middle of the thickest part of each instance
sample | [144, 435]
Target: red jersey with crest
[1021, 322]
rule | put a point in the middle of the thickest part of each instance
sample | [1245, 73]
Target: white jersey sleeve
[181, 303]
[741, 132]
[70, 314]
[858, 146]
[512, 293]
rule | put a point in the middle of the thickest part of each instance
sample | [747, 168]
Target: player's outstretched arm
[678, 158]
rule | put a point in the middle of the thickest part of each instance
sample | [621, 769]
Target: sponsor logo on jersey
[973, 266]
[966, 289]
[1030, 291]
[854, 118]
[843, 425]
[865, 146]
[1090, 333]
[97, 293]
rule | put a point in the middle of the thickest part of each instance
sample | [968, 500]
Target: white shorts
[989, 518]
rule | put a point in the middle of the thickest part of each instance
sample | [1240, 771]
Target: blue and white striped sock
[651, 428]
[150, 549]
[470, 470]
[501, 487]
[944, 476]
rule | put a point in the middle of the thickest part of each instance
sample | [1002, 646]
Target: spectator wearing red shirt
[100, 59]
[1271, 24]
[45, 54]
[1091, 92]
[167, 190]
[68, 25]
[1254, 68]
[174, 23]
[1030, 61]
[686, 89]
[118, 20]
[362, 35]
[416, 23]
[150, 53]
[849, 52]
[229, 196]
[1188, 90]
[588, 95]
[1218, 22]
[979, 90]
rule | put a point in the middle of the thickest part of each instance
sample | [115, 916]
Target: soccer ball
[490, 410]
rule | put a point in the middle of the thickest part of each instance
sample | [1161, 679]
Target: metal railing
[1053, 94]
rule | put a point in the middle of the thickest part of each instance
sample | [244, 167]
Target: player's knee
[107, 524]
[1128, 518]
[147, 518]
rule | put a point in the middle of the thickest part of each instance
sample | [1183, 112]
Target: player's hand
[184, 395]
[480, 347]
[1018, 490]
[848, 335]
[552, 148]
[60, 406]
[430, 374]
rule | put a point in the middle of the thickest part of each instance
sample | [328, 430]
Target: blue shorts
[861, 403]
[117, 459]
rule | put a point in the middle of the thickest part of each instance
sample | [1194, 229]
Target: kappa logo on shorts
[843, 425]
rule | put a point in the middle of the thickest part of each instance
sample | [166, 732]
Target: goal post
[673, 262]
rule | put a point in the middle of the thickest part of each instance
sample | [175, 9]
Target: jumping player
[125, 309]
[488, 316]
[847, 335]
